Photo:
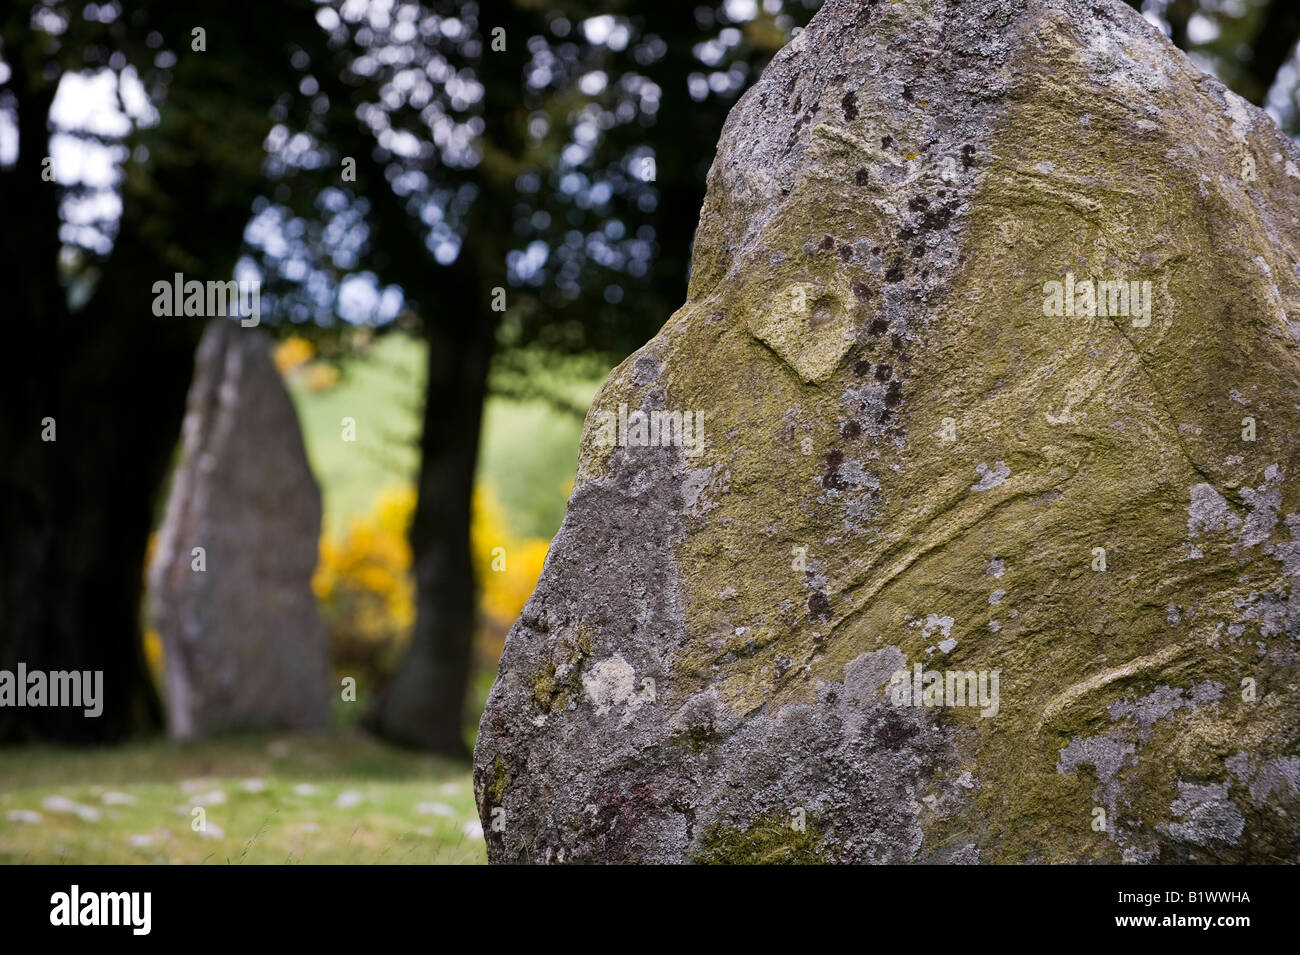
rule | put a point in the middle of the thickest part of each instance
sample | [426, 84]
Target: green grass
[412, 809]
[382, 392]
[528, 458]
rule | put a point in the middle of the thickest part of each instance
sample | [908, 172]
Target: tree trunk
[77, 512]
[423, 705]
[107, 385]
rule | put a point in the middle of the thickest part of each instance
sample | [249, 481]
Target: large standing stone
[916, 453]
[244, 647]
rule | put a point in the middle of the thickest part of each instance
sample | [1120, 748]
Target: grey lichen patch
[1206, 816]
[1262, 504]
[852, 762]
[991, 476]
[1278, 777]
[1130, 783]
[1209, 512]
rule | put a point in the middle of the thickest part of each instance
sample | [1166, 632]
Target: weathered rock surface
[913, 455]
[244, 647]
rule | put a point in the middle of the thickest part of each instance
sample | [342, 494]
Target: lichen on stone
[911, 459]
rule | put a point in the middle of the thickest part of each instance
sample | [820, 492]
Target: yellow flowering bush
[320, 376]
[153, 654]
[293, 358]
[506, 567]
[293, 352]
[365, 586]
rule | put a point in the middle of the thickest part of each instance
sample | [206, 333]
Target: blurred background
[461, 216]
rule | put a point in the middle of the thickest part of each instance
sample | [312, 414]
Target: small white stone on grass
[118, 799]
[473, 829]
[253, 785]
[23, 815]
[211, 830]
[141, 841]
[349, 799]
[64, 804]
[434, 809]
[305, 789]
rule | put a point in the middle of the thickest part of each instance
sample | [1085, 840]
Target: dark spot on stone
[895, 274]
[894, 394]
[688, 812]
[850, 107]
[896, 340]
[861, 177]
[937, 218]
[884, 372]
[879, 327]
[536, 622]
[850, 429]
[907, 92]
[861, 367]
[875, 250]
[918, 203]
[886, 141]
[967, 155]
[831, 479]
[860, 291]
[846, 253]
[918, 250]
[828, 242]
[893, 731]
[819, 606]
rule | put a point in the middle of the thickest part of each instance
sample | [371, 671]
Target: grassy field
[266, 799]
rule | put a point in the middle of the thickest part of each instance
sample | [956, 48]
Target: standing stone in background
[916, 454]
[244, 647]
